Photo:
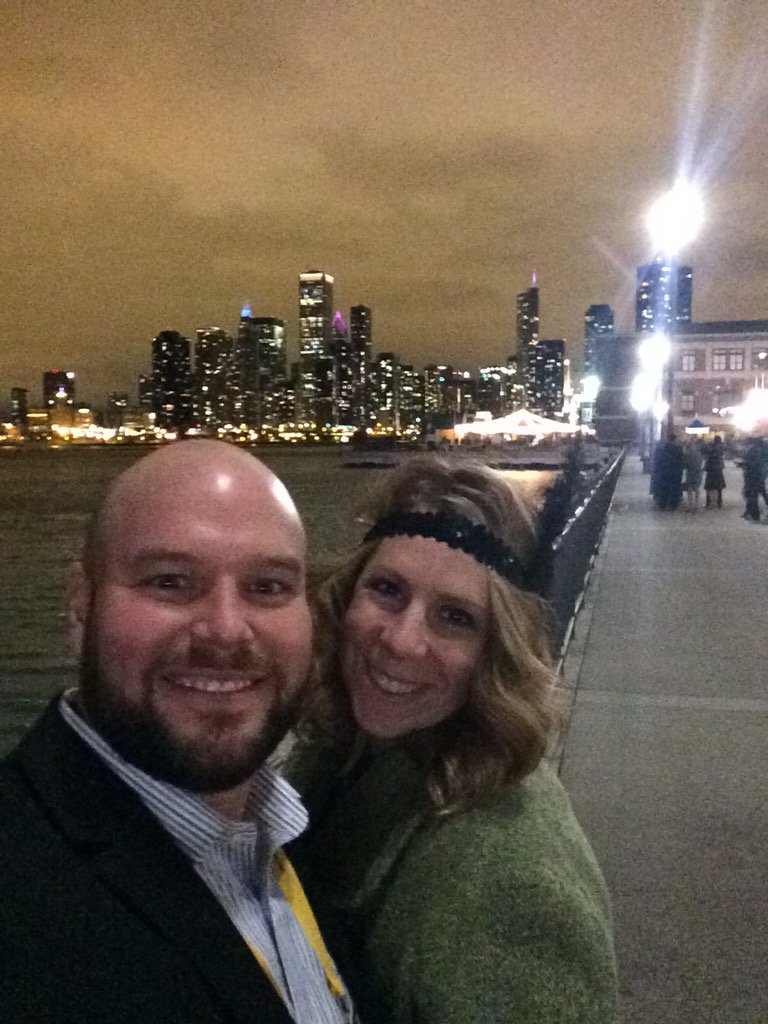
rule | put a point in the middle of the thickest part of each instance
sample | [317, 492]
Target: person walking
[754, 467]
[667, 476]
[714, 475]
[693, 463]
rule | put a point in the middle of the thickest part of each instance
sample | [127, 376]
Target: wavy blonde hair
[502, 732]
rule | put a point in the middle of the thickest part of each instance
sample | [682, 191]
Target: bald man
[142, 877]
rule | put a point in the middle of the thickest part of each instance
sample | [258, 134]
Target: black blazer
[102, 917]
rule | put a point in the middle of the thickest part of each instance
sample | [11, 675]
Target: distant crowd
[682, 467]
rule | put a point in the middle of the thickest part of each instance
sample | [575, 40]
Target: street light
[654, 354]
[590, 386]
[675, 218]
[673, 222]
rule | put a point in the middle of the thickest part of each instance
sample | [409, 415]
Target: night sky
[161, 163]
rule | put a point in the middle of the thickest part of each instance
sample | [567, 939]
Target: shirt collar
[274, 813]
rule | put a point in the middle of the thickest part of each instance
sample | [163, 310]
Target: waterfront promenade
[666, 754]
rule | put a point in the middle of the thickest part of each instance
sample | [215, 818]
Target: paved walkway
[666, 757]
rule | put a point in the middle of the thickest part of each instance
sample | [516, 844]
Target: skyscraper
[342, 371]
[411, 398]
[664, 295]
[146, 393]
[444, 392]
[494, 387]
[214, 375]
[58, 389]
[315, 354]
[527, 335]
[385, 391]
[360, 336]
[260, 365]
[59, 396]
[117, 405]
[547, 372]
[598, 323]
[172, 381]
[19, 408]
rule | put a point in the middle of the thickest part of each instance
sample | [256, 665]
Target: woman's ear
[78, 596]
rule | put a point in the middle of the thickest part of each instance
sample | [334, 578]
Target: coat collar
[136, 858]
[360, 827]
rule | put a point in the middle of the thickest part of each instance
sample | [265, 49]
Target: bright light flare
[675, 218]
[654, 351]
[645, 388]
[660, 409]
[752, 411]
[590, 386]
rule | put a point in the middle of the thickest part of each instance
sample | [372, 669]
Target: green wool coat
[494, 914]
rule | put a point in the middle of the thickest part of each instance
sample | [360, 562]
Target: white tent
[522, 423]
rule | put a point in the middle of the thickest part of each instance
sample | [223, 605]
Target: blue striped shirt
[235, 860]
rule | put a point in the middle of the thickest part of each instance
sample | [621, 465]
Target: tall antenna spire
[534, 279]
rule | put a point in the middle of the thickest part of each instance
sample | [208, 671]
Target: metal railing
[570, 556]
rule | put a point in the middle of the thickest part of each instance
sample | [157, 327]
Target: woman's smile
[414, 635]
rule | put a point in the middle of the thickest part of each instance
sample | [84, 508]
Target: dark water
[46, 496]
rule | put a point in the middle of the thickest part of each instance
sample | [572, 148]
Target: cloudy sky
[162, 162]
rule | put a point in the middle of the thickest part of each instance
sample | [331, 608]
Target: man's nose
[406, 634]
[222, 616]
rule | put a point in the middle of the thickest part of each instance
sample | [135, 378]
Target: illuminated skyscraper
[59, 396]
[58, 389]
[527, 336]
[445, 393]
[664, 295]
[343, 370]
[411, 398]
[214, 375]
[547, 371]
[315, 398]
[117, 406]
[261, 365]
[172, 381]
[19, 408]
[146, 393]
[494, 390]
[360, 330]
[598, 323]
[385, 407]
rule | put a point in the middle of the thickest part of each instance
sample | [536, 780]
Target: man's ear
[78, 597]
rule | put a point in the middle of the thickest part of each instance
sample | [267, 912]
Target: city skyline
[428, 158]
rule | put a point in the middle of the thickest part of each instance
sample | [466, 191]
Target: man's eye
[168, 586]
[270, 587]
[168, 583]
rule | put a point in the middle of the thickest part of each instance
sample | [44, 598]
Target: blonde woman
[444, 860]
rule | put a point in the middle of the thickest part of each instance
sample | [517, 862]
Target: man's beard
[206, 763]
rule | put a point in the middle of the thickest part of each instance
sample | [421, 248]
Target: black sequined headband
[457, 532]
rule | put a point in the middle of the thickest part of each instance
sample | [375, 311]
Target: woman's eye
[458, 618]
[383, 587]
